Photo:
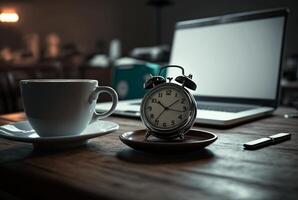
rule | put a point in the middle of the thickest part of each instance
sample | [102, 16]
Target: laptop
[236, 62]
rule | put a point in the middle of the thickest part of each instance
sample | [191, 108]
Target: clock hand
[161, 105]
[166, 108]
[181, 111]
[173, 103]
[160, 114]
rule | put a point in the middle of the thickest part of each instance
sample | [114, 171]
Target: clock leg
[181, 135]
[147, 135]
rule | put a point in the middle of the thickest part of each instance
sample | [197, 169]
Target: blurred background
[110, 40]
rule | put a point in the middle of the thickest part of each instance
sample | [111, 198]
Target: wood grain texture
[107, 169]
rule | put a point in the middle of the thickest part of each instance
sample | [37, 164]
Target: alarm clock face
[167, 107]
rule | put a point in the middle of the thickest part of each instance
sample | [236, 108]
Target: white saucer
[23, 132]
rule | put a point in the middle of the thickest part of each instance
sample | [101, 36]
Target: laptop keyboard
[223, 108]
[218, 107]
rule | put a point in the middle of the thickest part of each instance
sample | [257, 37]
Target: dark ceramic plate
[194, 140]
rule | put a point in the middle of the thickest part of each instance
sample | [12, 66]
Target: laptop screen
[238, 60]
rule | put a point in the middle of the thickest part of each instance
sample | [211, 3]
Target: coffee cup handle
[94, 96]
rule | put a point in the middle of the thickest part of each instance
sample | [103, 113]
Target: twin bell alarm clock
[168, 109]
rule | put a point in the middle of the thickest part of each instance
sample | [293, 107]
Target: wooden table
[107, 169]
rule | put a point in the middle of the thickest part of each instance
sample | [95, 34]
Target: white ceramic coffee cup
[63, 107]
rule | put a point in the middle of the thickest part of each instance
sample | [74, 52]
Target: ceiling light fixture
[9, 16]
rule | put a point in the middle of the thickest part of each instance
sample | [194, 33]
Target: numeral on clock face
[183, 100]
[154, 100]
[168, 92]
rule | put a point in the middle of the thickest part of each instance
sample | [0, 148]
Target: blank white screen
[239, 59]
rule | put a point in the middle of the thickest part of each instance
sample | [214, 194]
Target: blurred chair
[289, 83]
[290, 71]
[11, 76]
[6, 100]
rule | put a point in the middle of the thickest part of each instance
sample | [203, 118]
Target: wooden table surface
[107, 169]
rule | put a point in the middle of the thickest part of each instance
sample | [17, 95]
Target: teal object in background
[128, 80]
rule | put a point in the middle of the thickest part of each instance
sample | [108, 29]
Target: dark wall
[10, 36]
[193, 9]
[85, 21]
